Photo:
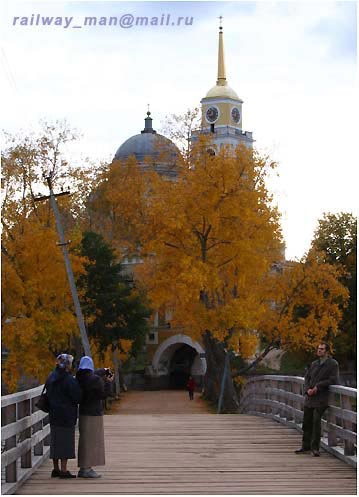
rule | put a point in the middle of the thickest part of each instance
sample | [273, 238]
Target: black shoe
[55, 473]
[302, 451]
[66, 474]
[315, 453]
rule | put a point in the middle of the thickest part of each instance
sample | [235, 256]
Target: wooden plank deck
[161, 443]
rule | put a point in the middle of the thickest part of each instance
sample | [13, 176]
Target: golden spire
[221, 81]
[221, 89]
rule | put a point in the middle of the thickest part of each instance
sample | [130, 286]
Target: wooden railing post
[38, 448]
[332, 437]
[267, 396]
[270, 396]
[251, 394]
[349, 447]
[297, 404]
[289, 412]
[262, 387]
[255, 394]
[47, 439]
[24, 409]
[282, 388]
[9, 416]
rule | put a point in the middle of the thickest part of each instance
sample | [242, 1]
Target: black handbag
[43, 402]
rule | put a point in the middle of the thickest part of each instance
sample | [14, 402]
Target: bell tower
[222, 116]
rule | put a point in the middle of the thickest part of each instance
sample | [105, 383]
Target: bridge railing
[281, 398]
[25, 438]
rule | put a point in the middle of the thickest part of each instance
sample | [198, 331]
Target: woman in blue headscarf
[95, 388]
[64, 395]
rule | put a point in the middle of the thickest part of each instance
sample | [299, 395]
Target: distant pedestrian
[64, 395]
[320, 375]
[95, 386]
[191, 385]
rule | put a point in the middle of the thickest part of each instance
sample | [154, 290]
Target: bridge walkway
[162, 443]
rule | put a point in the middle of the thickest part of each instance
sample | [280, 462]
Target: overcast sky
[292, 63]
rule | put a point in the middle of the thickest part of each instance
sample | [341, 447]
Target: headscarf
[86, 363]
[64, 361]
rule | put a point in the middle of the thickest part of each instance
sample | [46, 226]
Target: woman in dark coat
[64, 395]
[95, 388]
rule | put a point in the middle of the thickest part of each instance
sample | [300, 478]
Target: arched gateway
[177, 357]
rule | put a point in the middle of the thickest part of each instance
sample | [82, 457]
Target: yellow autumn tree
[209, 242]
[118, 207]
[37, 319]
[217, 235]
[304, 302]
[217, 241]
[113, 354]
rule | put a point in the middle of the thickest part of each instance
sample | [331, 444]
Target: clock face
[212, 114]
[236, 115]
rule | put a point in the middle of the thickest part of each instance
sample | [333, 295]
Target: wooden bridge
[162, 443]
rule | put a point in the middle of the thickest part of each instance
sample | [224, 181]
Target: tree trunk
[215, 357]
[257, 360]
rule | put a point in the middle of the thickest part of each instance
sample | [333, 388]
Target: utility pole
[224, 377]
[70, 275]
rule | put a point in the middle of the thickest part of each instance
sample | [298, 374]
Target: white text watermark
[124, 21]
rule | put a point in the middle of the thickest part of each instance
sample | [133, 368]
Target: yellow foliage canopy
[303, 304]
[118, 209]
[209, 241]
[38, 317]
[216, 237]
[105, 358]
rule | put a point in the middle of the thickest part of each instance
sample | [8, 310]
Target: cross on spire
[220, 22]
[221, 80]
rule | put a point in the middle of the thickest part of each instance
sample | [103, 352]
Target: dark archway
[180, 366]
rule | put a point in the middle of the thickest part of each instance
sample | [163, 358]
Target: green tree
[113, 308]
[336, 238]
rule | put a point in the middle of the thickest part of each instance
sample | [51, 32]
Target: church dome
[148, 143]
[222, 91]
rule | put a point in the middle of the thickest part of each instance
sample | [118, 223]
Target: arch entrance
[177, 358]
[180, 366]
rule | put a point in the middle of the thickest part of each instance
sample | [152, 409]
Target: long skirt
[62, 442]
[91, 450]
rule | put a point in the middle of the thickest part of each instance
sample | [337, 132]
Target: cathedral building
[171, 353]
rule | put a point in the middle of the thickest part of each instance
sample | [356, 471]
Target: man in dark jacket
[320, 375]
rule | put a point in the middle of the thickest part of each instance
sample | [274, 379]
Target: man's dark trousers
[312, 419]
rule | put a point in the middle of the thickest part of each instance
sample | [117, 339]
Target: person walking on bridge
[95, 388]
[64, 395]
[191, 385]
[320, 375]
